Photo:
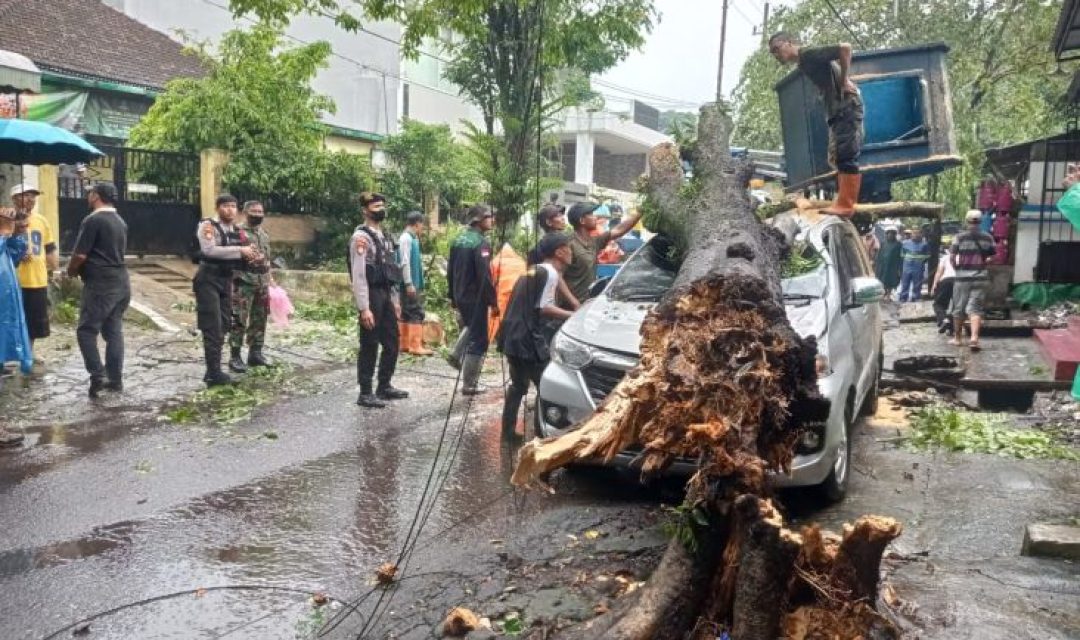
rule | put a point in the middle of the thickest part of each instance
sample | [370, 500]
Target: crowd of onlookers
[28, 260]
[958, 284]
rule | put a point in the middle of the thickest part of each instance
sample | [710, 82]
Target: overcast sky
[678, 62]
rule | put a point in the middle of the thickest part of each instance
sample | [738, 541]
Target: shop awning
[18, 73]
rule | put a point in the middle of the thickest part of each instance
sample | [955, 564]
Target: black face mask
[377, 216]
[255, 220]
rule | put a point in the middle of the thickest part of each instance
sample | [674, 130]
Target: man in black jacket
[522, 338]
[472, 292]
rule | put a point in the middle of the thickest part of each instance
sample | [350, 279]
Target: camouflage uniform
[251, 297]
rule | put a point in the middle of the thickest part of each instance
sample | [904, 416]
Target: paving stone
[1052, 541]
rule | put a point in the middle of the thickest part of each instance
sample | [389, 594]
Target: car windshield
[805, 274]
[806, 286]
[647, 275]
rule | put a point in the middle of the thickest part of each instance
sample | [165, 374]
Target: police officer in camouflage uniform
[251, 296]
[221, 248]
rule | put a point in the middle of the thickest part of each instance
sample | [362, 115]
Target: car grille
[600, 381]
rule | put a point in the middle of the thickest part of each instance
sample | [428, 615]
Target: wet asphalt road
[118, 507]
[122, 506]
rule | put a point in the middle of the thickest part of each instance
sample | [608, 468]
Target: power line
[642, 94]
[357, 63]
[844, 22]
[738, 10]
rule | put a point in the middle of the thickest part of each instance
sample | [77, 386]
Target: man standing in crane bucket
[828, 69]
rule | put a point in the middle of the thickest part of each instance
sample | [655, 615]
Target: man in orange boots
[828, 69]
[412, 286]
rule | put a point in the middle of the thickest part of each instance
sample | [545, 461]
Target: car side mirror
[866, 291]
[598, 287]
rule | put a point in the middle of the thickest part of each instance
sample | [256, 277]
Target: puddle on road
[325, 524]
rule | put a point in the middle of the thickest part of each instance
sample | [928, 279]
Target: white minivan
[837, 302]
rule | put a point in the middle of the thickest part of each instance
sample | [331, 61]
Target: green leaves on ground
[939, 426]
[227, 405]
[340, 315]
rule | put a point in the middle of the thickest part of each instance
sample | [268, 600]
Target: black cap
[549, 211]
[551, 243]
[579, 210]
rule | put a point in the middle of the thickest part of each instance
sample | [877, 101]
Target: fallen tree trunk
[723, 380]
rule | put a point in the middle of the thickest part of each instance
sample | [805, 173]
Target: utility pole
[765, 26]
[896, 9]
[720, 70]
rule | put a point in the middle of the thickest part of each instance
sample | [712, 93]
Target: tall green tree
[255, 102]
[1000, 72]
[520, 61]
[427, 163]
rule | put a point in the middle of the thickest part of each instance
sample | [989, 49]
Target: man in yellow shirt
[41, 259]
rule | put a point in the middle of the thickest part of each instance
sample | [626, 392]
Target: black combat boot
[369, 400]
[256, 358]
[236, 362]
[97, 385]
[390, 392]
[217, 379]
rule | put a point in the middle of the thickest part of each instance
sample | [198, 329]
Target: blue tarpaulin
[14, 340]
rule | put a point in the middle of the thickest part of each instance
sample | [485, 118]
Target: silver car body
[607, 331]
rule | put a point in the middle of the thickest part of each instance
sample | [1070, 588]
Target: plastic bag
[280, 306]
[1069, 205]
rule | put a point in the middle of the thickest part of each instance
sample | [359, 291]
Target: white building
[603, 153]
[363, 73]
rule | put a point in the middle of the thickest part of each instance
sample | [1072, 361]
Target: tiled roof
[89, 38]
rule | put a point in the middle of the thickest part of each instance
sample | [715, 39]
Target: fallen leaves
[459, 622]
[386, 573]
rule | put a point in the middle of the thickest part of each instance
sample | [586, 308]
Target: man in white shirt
[941, 290]
[522, 338]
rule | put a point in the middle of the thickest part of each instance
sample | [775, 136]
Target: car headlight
[822, 366]
[569, 352]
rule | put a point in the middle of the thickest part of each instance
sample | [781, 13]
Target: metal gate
[158, 197]
[1059, 243]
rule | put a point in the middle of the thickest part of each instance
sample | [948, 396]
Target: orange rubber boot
[416, 340]
[847, 194]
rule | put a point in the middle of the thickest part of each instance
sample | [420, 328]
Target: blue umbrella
[37, 143]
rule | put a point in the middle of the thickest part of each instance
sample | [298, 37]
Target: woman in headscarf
[888, 263]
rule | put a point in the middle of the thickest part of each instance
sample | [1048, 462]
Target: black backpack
[195, 248]
[382, 273]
